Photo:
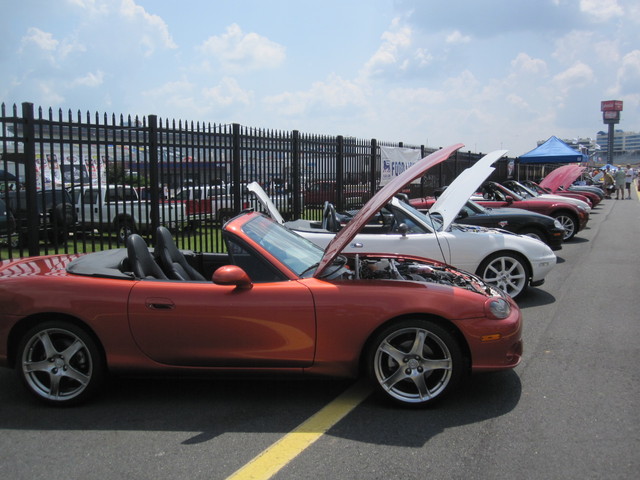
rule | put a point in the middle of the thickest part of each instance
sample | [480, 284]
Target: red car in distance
[494, 195]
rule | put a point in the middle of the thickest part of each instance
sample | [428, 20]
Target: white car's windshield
[432, 221]
[297, 253]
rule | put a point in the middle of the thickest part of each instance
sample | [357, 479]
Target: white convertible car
[508, 261]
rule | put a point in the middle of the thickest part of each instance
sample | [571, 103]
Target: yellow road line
[275, 457]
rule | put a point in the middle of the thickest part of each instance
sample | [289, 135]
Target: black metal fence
[81, 183]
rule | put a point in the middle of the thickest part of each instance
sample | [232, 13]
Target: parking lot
[570, 410]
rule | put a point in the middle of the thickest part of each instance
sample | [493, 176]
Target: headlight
[557, 224]
[497, 308]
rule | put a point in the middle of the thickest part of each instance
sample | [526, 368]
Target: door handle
[159, 304]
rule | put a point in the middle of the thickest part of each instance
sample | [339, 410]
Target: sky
[491, 74]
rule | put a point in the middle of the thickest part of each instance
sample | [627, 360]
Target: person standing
[620, 177]
[607, 181]
[630, 175]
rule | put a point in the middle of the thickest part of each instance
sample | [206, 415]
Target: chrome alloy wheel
[569, 225]
[58, 363]
[415, 362]
[505, 271]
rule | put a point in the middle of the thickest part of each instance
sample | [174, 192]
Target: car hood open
[379, 200]
[456, 195]
[562, 177]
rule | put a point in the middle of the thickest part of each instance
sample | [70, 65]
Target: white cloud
[227, 92]
[524, 64]
[390, 52]
[628, 76]
[152, 27]
[89, 80]
[237, 51]
[334, 93]
[40, 39]
[601, 10]
[456, 37]
[578, 75]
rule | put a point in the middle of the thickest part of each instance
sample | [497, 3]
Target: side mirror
[232, 275]
[403, 229]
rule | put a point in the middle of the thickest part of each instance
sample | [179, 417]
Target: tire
[570, 224]
[60, 363]
[507, 271]
[124, 228]
[533, 233]
[414, 362]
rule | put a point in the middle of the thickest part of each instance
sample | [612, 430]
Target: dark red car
[494, 195]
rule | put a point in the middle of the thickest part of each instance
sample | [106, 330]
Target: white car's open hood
[266, 202]
[360, 219]
[456, 195]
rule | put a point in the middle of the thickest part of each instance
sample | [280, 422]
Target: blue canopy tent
[553, 150]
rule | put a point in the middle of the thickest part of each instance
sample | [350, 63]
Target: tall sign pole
[610, 116]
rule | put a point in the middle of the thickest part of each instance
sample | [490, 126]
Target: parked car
[319, 192]
[595, 194]
[276, 304]
[572, 217]
[56, 214]
[515, 220]
[570, 197]
[7, 222]
[510, 262]
[560, 181]
[216, 202]
[118, 208]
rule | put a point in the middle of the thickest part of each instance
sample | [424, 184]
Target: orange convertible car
[274, 304]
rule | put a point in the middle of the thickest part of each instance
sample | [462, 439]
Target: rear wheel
[415, 362]
[60, 363]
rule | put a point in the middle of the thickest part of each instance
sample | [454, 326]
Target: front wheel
[60, 363]
[415, 362]
[569, 223]
[533, 233]
[507, 271]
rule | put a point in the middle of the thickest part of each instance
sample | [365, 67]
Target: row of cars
[510, 248]
[274, 303]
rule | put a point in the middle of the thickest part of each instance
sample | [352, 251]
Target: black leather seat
[171, 260]
[141, 261]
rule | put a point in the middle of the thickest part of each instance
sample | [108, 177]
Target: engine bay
[389, 268]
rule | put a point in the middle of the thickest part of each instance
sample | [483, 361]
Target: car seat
[141, 261]
[171, 260]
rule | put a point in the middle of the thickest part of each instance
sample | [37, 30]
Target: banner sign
[396, 160]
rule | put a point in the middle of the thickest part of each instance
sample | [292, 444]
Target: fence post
[340, 173]
[33, 236]
[372, 168]
[295, 172]
[235, 169]
[154, 174]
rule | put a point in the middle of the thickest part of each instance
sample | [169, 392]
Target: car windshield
[473, 208]
[297, 253]
[522, 190]
[432, 221]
